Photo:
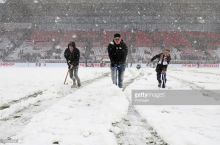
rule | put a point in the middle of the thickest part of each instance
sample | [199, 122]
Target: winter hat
[117, 35]
[72, 44]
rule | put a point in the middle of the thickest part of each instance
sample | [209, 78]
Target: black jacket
[72, 58]
[117, 53]
[162, 61]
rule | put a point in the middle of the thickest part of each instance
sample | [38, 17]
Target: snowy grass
[179, 124]
[19, 82]
[84, 116]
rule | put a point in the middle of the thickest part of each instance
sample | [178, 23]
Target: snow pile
[81, 118]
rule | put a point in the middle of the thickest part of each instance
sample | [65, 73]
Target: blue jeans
[117, 73]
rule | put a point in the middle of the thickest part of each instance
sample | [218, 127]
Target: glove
[69, 62]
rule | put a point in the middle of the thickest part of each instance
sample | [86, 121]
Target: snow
[20, 82]
[185, 125]
[36, 1]
[84, 116]
[49, 82]
[2, 1]
[74, 36]
[57, 19]
[179, 124]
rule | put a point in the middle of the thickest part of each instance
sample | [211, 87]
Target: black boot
[163, 85]
[159, 85]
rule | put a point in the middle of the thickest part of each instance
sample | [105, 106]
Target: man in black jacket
[117, 51]
[161, 68]
[72, 55]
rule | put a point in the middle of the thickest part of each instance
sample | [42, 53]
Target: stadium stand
[41, 29]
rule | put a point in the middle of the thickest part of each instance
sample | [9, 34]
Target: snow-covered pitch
[36, 108]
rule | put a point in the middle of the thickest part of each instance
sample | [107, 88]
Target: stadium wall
[47, 65]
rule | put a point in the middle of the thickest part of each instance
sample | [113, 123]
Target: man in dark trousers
[72, 55]
[117, 51]
[161, 68]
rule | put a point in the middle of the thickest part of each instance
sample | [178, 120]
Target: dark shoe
[163, 85]
[79, 84]
[159, 85]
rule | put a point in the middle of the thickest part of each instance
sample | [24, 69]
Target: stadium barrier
[12, 64]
